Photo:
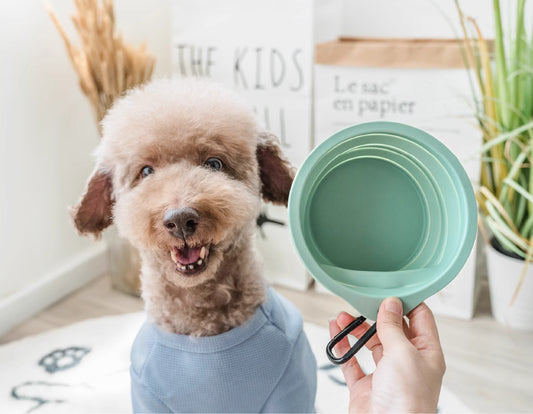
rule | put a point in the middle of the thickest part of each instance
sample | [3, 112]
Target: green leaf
[504, 241]
[517, 187]
[506, 136]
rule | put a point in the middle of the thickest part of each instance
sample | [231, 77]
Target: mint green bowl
[382, 209]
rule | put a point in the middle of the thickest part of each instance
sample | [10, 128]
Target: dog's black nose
[181, 222]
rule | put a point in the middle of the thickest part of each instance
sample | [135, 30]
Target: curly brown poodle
[180, 171]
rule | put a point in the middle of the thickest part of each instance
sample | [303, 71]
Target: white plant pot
[504, 274]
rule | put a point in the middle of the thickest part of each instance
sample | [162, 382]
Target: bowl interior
[378, 212]
[377, 219]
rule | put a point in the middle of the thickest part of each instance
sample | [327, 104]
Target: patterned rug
[84, 368]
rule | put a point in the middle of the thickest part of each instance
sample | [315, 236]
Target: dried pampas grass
[106, 66]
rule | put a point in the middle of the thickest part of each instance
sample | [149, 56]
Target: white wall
[432, 19]
[47, 133]
[425, 19]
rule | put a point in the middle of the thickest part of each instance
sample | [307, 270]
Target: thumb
[390, 323]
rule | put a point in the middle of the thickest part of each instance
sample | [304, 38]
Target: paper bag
[422, 83]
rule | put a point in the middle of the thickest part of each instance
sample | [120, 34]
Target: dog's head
[180, 171]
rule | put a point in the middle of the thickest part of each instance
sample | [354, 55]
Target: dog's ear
[94, 212]
[275, 171]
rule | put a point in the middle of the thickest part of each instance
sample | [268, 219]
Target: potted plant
[107, 67]
[502, 83]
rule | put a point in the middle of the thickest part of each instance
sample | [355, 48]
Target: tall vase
[504, 275]
[124, 263]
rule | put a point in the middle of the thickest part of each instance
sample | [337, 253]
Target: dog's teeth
[191, 267]
[174, 256]
[182, 267]
[202, 253]
[199, 262]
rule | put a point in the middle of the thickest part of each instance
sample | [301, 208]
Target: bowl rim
[367, 300]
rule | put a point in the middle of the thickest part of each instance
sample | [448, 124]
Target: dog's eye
[146, 171]
[214, 164]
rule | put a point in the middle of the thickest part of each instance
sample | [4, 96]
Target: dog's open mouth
[190, 260]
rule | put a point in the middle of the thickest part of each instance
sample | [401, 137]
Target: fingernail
[394, 305]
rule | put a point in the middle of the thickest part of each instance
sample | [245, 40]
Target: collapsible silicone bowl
[382, 209]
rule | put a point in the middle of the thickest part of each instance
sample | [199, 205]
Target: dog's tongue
[189, 255]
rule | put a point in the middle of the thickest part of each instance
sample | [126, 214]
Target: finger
[422, 326]
[426, 336]
[405, 327]
[373, 344]
[344, 319]
[351, 370]
[390, 323]
[343, 346]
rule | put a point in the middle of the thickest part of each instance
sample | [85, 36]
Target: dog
[181, 169]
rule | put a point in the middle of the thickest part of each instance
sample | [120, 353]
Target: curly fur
[175, 126]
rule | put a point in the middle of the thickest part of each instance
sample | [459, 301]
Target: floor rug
[84, 368]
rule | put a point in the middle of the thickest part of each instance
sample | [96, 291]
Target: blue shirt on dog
[265, 365]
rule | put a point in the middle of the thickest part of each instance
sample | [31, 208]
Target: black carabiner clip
[343, 334]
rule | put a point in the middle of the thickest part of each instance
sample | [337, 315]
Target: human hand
[409, 361]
